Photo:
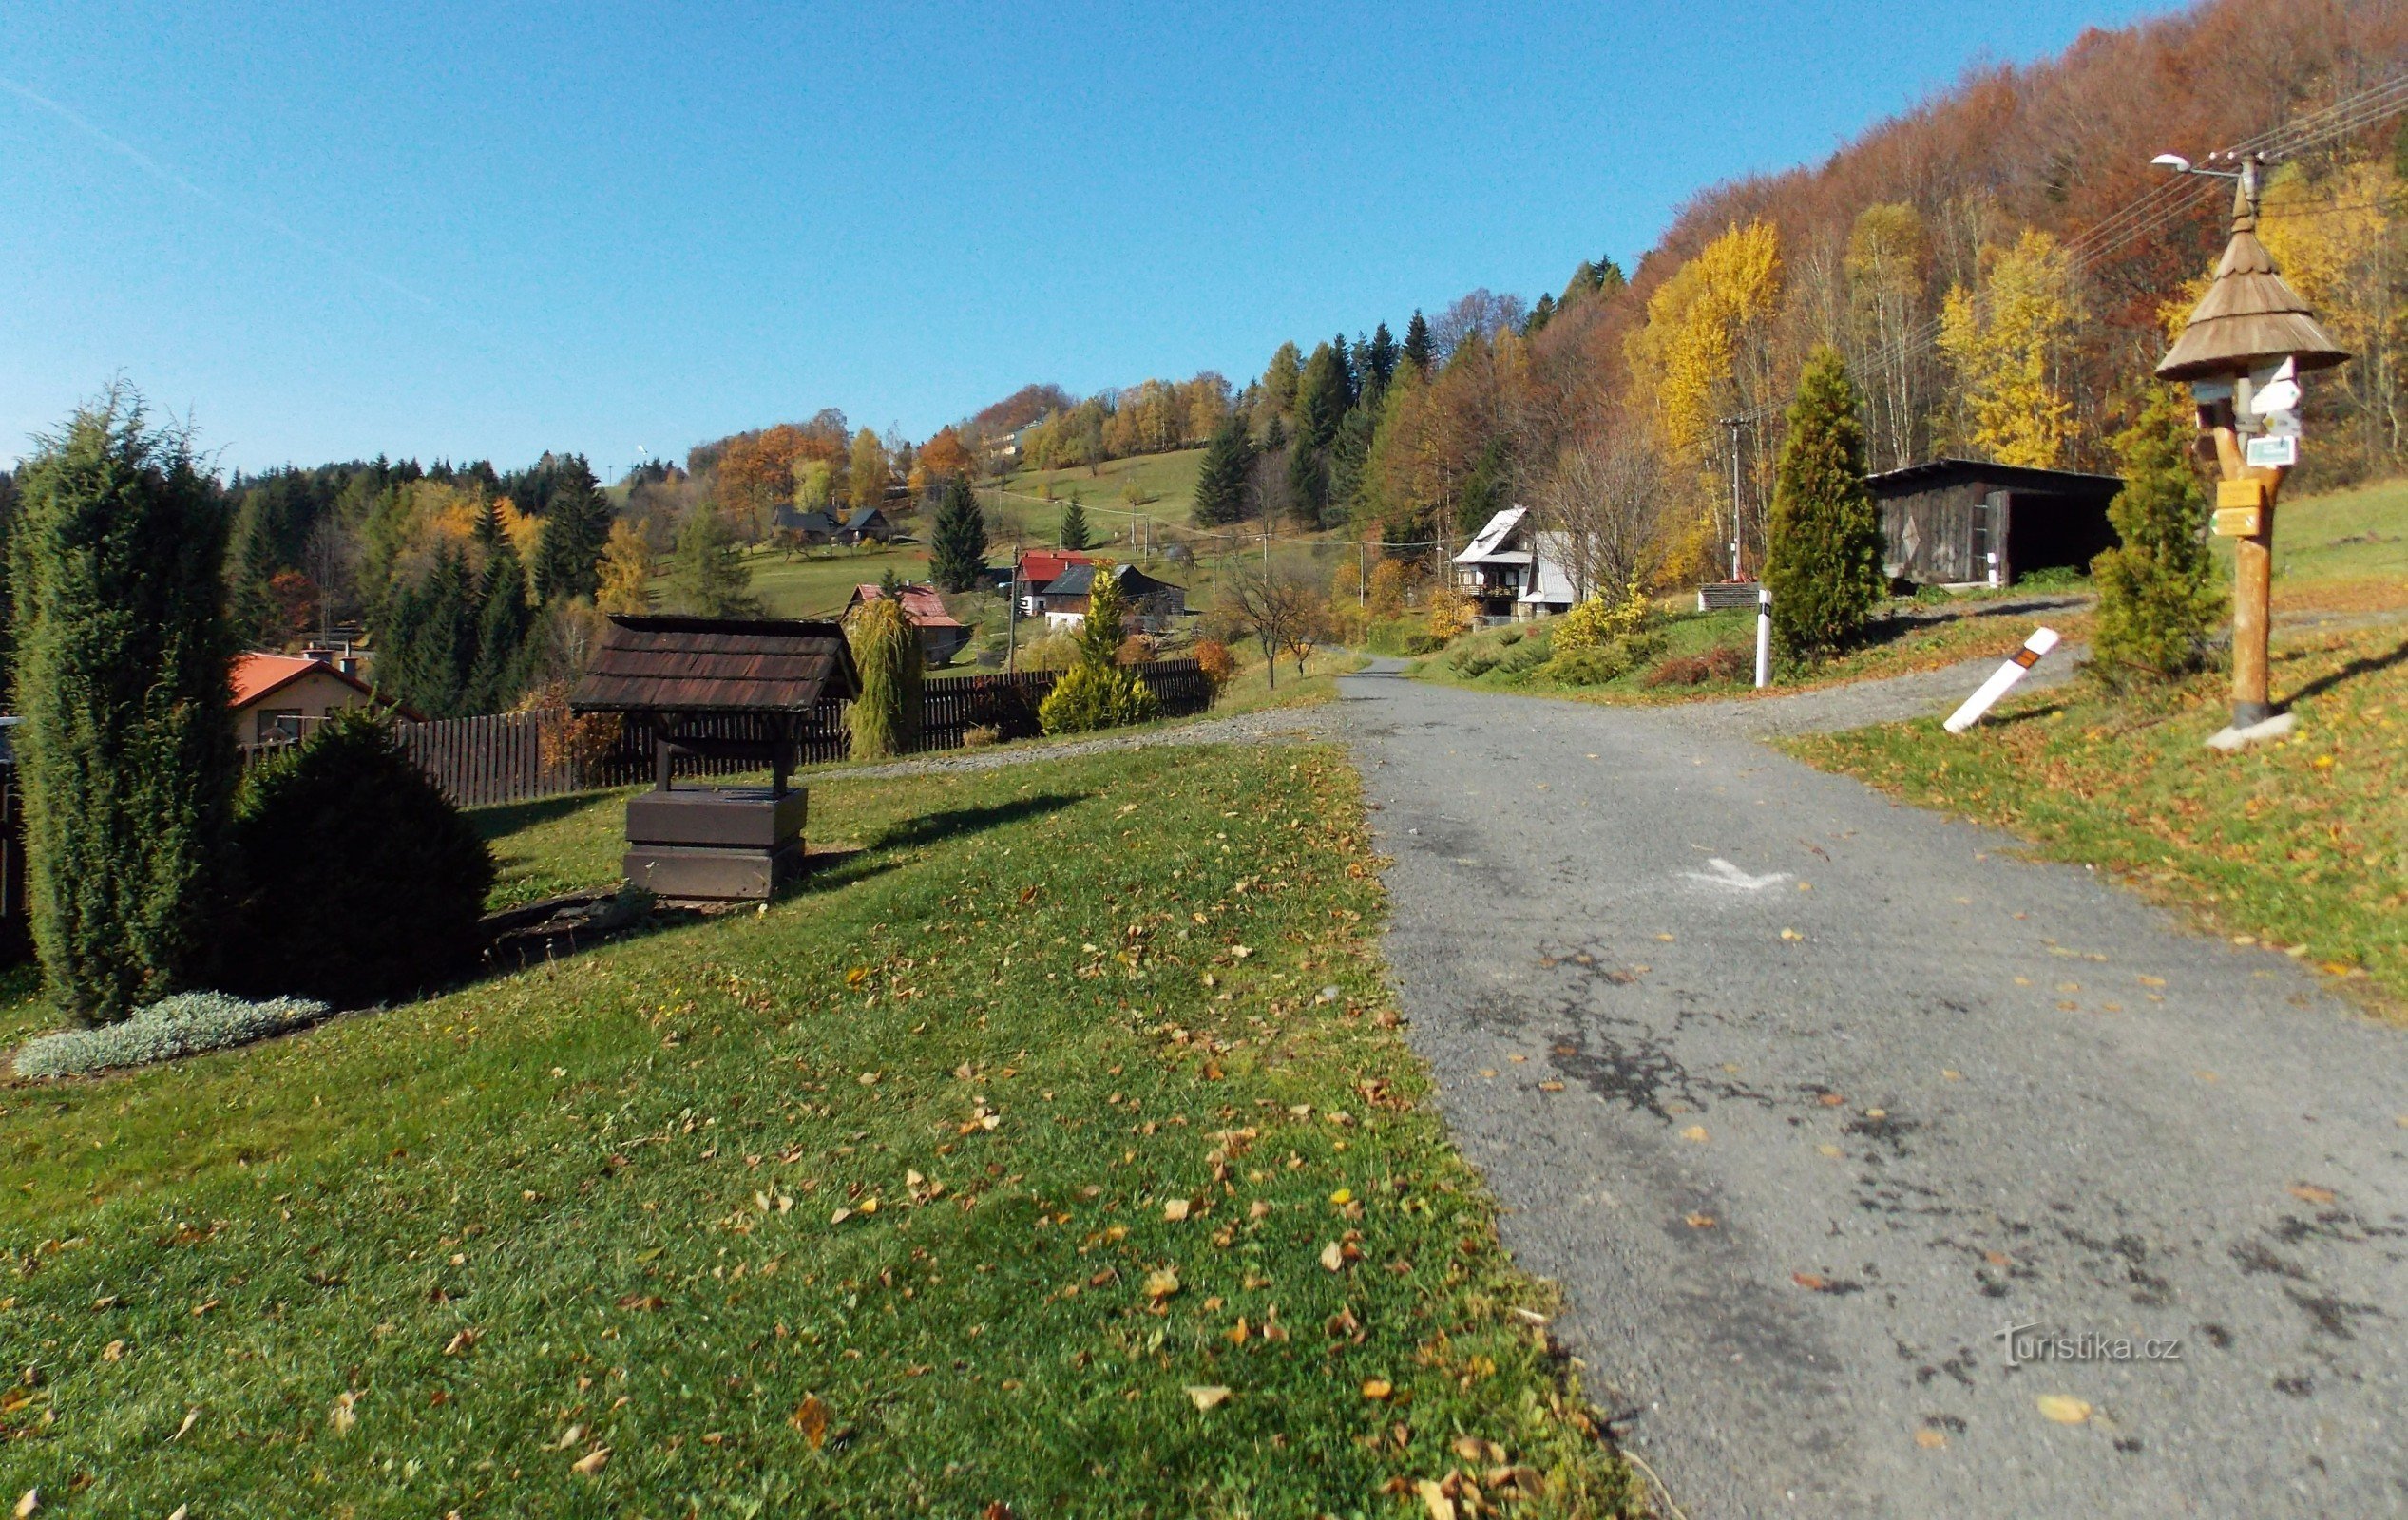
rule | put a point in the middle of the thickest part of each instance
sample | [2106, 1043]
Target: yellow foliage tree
[1688, 355]
[2007, 345]
[626, 571]
[2336, 240]
[866, 479]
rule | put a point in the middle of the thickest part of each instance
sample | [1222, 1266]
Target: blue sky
[417, 229]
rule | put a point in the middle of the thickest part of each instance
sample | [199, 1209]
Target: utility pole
[1734, 424]
[1011, 612]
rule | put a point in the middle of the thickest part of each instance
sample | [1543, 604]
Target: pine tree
[1418, 351]
[1350, 455]
[487, 530]
[1075, 532]
[1823, 560]
[576, 528]
[1308, 484]
[1220, 479]
[1383, 362]
[958, 552]
[2156, 603]
[430, 631]
[1540, 316]
[504, 619]
[707, 577]
[1321, 398]
[885, 719]
[125, 756]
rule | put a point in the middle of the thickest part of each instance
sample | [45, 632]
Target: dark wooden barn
[1944, 520]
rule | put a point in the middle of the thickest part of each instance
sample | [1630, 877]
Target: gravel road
[1804, 1096]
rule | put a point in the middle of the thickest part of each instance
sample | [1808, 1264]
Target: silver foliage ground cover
[186, 1024]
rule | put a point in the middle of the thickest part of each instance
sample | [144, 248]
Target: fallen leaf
[342, 1416]
[1550, 1087]
[1831, 1151]
[1930, 1440]
[1161, 1284]
[642, 1303]
[2063, 1408]
[1696, 1132]
[1809, 1280]
[1333, 1257]
[1792, 933]
[2151, 982]
[458, 1345]
[1343, 1196]
[1832, 1100]
[1435, 1500]
[810, 1418]
[192, 1417]
[1951, 1074]
[2310, 1192]
[1997, 1258]
[1377, 1388]
[569, 1437]
[114, 1351]
[840, 1216]
[1205, 1396]
[591, 1462]
[1699, 1221]
[1175, 1209]
[31, 1502]
[1257, 1209]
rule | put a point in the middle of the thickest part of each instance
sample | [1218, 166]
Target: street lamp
[2242, 350]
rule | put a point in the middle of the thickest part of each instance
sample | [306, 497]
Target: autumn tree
[626, 571]
[944, 457]
[1888, 267]
[868, 473]
[1822, 560]
[2156, 600]
[2337, 241]
[2007, 343]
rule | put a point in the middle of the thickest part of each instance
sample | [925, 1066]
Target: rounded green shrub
[1091, 696]
[363, 884]
[1523, 658]
[1476, 665]
[1588, 666]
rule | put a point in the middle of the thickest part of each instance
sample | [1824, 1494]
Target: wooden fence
[520, 757]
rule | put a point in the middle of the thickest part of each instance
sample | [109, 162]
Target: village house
[1966, 521]
[804, 529]
[1514, 571]
[867, 524]
[1151, 603]
[941, 635]
[278, 698]
[1038, 569]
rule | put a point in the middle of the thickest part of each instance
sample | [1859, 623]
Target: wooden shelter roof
[715, 665]
[2249, 318]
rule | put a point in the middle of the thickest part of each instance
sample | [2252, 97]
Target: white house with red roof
[277, 698]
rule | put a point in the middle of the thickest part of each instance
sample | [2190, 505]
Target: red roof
[257, 675]
[921, 604]
[1042, 567]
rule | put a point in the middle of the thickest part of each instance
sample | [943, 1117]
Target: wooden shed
[716, 686]
[1942, 522]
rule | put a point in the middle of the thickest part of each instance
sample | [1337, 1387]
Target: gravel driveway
[1804, 1096]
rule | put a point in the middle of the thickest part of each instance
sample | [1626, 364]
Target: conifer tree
[1221, 478]
[1824, 552]
[1308, 484]
[958, 550]
[576, 528]
[125, 756]
[2156, 603]
[1322, 398]
[504, 620]
[1382, 365]
[1418, 351]
[707, 577]
[1075, 532]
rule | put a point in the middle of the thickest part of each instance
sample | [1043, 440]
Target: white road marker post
[2041, 641]
[1764, 637]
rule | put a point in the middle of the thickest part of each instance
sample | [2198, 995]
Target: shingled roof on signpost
[2251, 317]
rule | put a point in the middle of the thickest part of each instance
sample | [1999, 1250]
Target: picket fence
[521, 756]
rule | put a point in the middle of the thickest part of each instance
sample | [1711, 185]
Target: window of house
[280, 725]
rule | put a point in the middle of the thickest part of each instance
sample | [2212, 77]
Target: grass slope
[867, 1204]
[2300, 844]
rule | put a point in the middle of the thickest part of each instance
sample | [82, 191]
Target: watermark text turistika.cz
[2028, 1343]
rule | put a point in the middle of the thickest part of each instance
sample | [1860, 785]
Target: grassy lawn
[2301, 844]
[2358, 534]
[969, 1175]
[819, 582]
[1163, 483]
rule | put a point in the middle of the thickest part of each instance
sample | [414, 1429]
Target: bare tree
[330, 557]
[1284, 612]
[1606, 498]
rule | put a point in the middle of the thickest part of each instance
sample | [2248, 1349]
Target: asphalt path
[1804, 1096]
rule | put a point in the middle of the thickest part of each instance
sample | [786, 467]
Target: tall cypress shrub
[2156, 603]
[126, 755]
[1823, 558]
[885, 649]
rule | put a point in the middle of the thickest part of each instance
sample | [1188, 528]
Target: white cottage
[1514, 571]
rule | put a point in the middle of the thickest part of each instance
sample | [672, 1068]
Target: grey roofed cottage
[810, 527]
[1152, 603]
[866, 522]
[1943, 521]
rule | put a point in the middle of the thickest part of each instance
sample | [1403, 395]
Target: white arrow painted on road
[1720, 872]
